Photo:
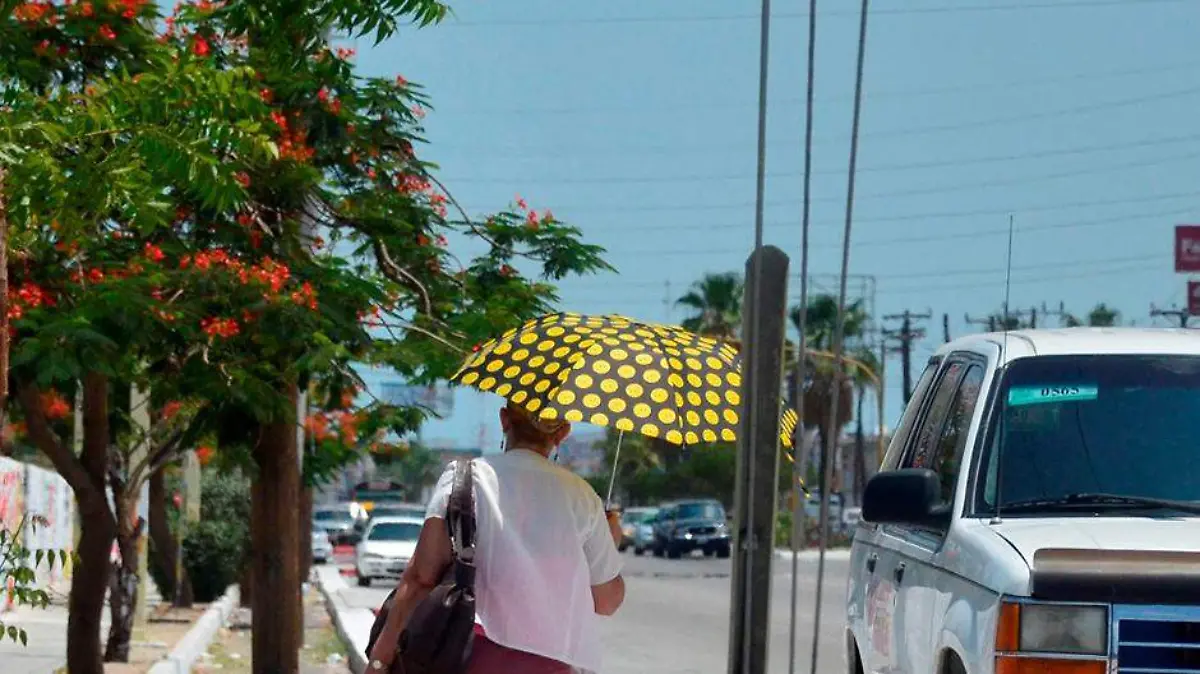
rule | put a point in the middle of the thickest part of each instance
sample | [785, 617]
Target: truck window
[930, 430]
[953, 441]
[891, 459]
[1112, 424]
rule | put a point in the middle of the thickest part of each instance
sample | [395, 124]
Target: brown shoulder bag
[441, 630]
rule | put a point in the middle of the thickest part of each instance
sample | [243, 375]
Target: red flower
[106, 32]
[86, 9]
[171, 409]
[336, 106]
[154, 253]
[54, 405]
[400, 81]
[506, 270]
[200, 46]
[441, 240]
[323, 95]
[266, 95]
[204, 454]
[547, 216]
[418, 112]
[532, 219]
[521, 203]
[242, 178]
[95, 275]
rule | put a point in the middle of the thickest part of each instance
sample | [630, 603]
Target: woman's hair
[524, 427]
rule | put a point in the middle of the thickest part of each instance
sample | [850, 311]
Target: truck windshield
[696, 511]
[1092, 425]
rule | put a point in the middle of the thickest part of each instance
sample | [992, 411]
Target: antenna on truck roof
[1003, 404]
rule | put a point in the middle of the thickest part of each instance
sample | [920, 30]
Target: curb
[810, 555]
[353, 625]
[197, 640]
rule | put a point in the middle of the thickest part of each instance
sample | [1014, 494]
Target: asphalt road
[676, 617]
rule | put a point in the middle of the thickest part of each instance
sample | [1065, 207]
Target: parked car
[682, 527]
[386, 548]
[339, 521]
[415, 510]
[634, 520]
[1038, 509]
[322, 549]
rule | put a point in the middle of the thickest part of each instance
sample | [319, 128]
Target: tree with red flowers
[103, 130]
[162, 241]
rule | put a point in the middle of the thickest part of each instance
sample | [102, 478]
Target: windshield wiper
[1114, 501]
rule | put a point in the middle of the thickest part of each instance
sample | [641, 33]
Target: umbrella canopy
[658, 380]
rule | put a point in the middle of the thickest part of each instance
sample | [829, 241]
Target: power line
[1173, 66]
[608, 148]
[943, 189]
[971, 234]
[724, 18]
[1126, 259]
[881, 168]
[739, 205]
[641, 299]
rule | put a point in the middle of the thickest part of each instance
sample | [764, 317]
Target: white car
[322, 549]
[386, 547]
[1038, 510]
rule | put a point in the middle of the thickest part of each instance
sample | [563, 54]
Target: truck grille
[702, 531]
[1162, 641]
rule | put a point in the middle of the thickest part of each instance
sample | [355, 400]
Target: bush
[214, 549]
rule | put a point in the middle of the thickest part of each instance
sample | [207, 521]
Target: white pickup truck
[1037, 512]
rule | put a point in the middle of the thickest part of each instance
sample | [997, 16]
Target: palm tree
[716, 301]
[1101, 316]
[820, 318]
[861, 382]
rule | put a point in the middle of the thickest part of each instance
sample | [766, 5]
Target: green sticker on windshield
[1040, 395]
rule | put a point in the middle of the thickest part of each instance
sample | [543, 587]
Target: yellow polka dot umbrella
[658, 380]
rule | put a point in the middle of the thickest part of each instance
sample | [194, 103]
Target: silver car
[322, 549]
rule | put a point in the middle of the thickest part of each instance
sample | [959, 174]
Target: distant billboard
[1193, 298]
[438, 398]
[1187, 248]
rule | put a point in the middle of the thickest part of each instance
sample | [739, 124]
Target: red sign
[1187, 248]
[1194, 298]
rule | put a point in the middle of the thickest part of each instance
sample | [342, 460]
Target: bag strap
[460, 512]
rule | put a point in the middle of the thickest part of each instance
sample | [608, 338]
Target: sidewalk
[323, 652]
[46, 651]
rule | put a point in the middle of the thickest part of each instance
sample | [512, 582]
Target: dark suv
[695, 524]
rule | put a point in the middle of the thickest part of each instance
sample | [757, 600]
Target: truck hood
[1028, 535]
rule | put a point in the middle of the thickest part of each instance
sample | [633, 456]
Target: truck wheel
[673, 552]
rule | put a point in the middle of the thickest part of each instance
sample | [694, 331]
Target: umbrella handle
[612, 480]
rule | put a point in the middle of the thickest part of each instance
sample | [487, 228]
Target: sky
[636, 121]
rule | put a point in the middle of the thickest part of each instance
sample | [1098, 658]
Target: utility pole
[990, 321]
[946, 328]
[1180, 314]
[1059, 313]
[905, 336]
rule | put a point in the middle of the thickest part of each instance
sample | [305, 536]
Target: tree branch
[63, 459]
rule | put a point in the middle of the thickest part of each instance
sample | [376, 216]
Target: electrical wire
[726, 18]
[786, 101]
[798, 441]
[883, 168]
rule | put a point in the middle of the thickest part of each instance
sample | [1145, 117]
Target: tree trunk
[164, 546]
[276, 609]
[123, 592]
[88, 585]
[4, 336]
[98, 528]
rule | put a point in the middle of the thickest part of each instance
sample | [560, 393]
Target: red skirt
[489, 657]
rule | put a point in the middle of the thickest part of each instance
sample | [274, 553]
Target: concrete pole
[139, 406]
[755, 496]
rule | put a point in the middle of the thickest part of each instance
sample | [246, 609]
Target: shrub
[214, 549]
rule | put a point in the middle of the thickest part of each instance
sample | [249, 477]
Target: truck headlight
[1074, 629]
